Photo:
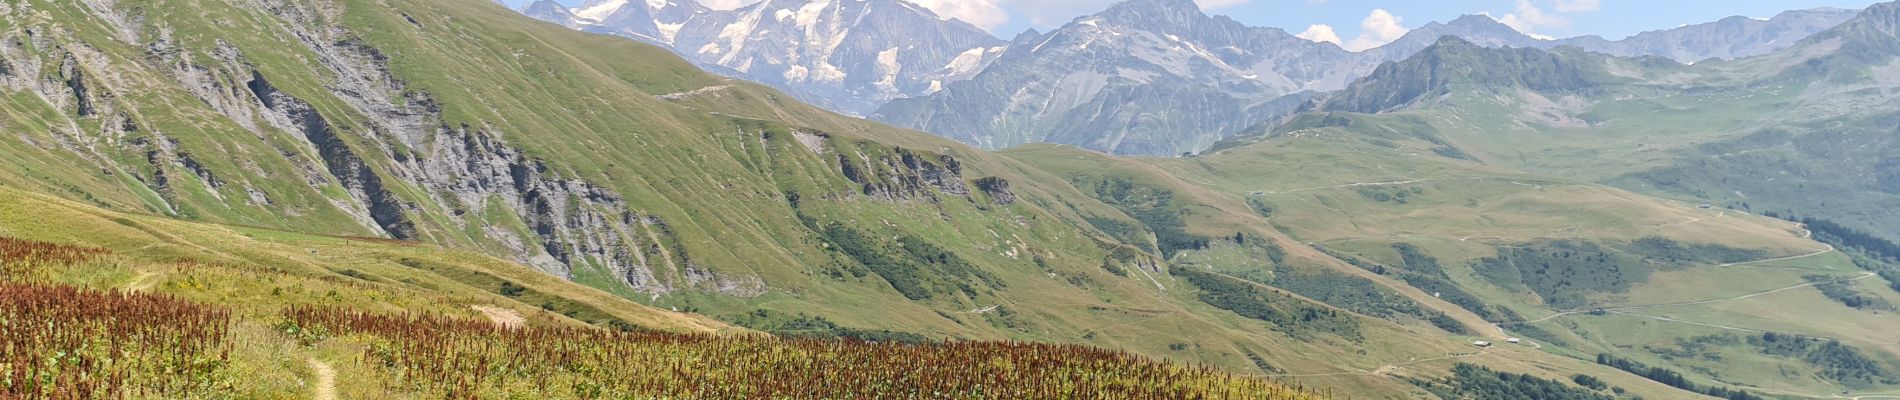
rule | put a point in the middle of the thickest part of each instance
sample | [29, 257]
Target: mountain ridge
[848, 56]
[1241, 88]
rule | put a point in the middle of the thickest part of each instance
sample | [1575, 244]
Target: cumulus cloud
[1379, 27]
[986, 14]
[1577, 5]
[1321, 33]
[1527, 18]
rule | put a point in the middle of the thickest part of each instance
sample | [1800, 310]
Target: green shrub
[1475, 382]
[1287, 314]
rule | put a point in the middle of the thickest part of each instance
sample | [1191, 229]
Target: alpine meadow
[881, 199]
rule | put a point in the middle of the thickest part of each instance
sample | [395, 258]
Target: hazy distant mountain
[1729, 38]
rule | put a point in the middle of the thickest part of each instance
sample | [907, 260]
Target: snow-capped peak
[598, 12]
[849, 54]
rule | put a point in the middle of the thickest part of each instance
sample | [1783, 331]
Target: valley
[447, 198]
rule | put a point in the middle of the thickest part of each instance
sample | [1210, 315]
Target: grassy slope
[259, 274]
[1681, 133]
[587, 106]
[449, 282]
[583, 103]
[1321, 184]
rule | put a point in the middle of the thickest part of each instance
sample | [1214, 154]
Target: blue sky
[1364, 23]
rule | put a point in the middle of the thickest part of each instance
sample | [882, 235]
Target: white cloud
[1379, 27]
[1577, 5]
[1321, 33]
[986, 14]
[1527, 18]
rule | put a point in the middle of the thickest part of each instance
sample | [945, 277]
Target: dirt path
[984, 310]
[505, 317]
[1830, 249]
[1357, 184]
[326, 380]
[145, 280]
[1718, 214]
[1385, 369]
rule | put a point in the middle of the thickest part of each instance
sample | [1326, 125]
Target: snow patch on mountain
[967, 61]
[599, 12]
[669, 31]
[808, 15]
[834, 53]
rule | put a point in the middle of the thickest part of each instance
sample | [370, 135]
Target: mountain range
[849, 56]
[1098, 82]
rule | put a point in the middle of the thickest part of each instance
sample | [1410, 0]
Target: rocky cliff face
[849, 56]
[904, 175]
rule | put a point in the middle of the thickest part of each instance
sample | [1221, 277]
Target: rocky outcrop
[574, 221]
[295, 115]
[76, 84]
[904, 175]
[997, 189]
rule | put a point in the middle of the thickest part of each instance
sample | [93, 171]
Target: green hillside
[613, 165]
[1515, 180]
[605, 162]
[306, 185]
[150, 307]
[1412, 236]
